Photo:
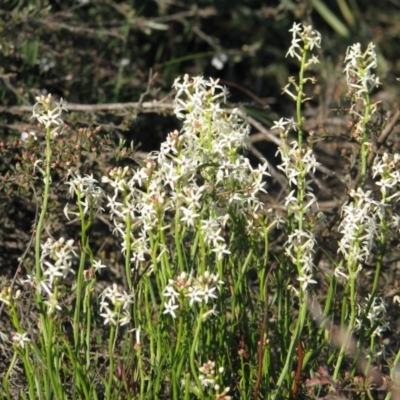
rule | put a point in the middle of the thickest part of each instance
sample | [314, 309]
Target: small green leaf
[30, 50]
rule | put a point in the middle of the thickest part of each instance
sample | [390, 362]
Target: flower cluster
[375, 315]
[129, 204]
[361, 81]
[298, 161]
[386, 168]
[208, 146]
[358, 226]
[89, 195]
[200, 289]
[56, 263]
[309, 37]
[56, 258]
[197, 179]
[304, 39]
[7, 296]
[297, 164]
[209, 378]
[362, 218]
[48, 113]
[115, 306]
[358, 68]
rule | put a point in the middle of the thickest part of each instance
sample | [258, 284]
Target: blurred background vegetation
[103, 51]
[115, 52]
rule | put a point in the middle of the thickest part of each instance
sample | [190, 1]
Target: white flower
[20, 339]
[110, 317]
[220, 249]
[125, 319]
[48, 113]
[306, 34]
[26, 135]
[292, 49]
[98, 266]
[189, 217]
[218, 61]
[306, 280]
[209, 292]
[195, 295]
[358, 69]
[170, 308]
[169, 291]
[281, 124]
[209, 313]
[112, 301]
[89, 195]
[296, 29]
[137, 335]
[52, 271]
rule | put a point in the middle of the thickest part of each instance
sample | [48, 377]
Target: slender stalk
[353, 314]
[111, 366]
[300, 94]
[192, 361]
[285, 372]
[80, 275]
[128, 233]
[39, 229]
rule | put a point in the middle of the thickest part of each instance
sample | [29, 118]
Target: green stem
[364, 144]
[111, 364]
[178, 241]
[51, 361]
[353, 315]
[292, 347]
[193, 351]
[39, 229]
[300, 95]
[128, 223]
[6, 378]
[80, 275]
[45, 335]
